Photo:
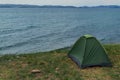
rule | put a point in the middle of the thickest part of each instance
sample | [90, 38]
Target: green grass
[55, 65]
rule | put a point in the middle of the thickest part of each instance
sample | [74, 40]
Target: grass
[55, 65]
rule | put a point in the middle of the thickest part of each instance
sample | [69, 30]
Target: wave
[32, 40]
[9, 31]
[14, 45]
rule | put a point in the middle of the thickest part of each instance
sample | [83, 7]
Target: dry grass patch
[95, 73]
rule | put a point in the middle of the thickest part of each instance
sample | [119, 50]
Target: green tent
[87, 51]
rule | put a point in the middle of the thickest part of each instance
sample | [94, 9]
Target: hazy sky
[63, 2]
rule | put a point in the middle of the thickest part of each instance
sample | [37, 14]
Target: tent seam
[84, 52]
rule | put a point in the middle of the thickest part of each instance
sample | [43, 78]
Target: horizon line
[60, 5]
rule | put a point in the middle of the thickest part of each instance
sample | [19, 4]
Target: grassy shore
[55, 65]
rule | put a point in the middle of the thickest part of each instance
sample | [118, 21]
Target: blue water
[24, 30]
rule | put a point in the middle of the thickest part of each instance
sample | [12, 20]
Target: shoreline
[67, 48]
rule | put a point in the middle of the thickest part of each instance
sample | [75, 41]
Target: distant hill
[32, 6]
[16, 6]
[52, 6]
[102, 6]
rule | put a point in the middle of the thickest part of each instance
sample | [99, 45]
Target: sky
[63, 2]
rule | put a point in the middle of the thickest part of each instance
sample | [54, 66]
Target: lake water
[24, 30]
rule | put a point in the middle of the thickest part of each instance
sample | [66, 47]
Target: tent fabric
[87, 51]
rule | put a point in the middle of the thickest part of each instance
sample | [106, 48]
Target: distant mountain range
[52, 6]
